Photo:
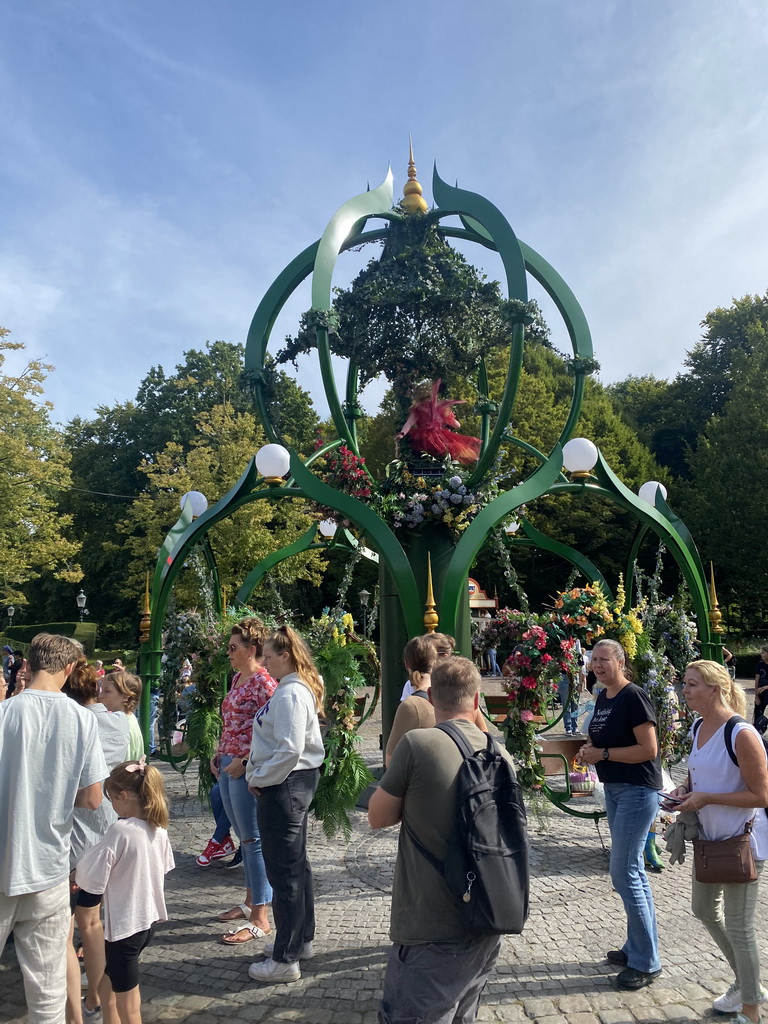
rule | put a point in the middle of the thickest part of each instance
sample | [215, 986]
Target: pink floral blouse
[238, 710]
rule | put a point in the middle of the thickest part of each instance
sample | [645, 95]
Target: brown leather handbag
[724, 861]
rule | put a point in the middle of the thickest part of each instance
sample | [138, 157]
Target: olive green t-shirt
[423, 772]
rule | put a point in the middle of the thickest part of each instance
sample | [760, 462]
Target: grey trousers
[728, 912]
[437, 983]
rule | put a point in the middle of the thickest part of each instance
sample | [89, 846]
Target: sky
[160, 163]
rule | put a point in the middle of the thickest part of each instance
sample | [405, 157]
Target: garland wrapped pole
[423, 318]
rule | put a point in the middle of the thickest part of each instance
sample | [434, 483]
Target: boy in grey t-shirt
[50, 763]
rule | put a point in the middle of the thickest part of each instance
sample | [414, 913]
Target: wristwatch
[606, 754]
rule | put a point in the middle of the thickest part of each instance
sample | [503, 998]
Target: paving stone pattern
[555, 973]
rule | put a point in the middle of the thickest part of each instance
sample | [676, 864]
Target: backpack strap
[420, 693]
[730, 725]
[466, 750]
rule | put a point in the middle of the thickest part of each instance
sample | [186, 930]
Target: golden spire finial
[412, 201]
[431, 619]
[715, 615]
[146, 616]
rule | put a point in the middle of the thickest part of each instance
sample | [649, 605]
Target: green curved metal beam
[634, 551]
[587, 568]
[269, 309]
[473, 538]
[561, 294]
[257, 574]
[452, 201]
[369, 523]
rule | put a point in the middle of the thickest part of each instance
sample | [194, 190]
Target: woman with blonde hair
[121, 691]
[727, 786]
[283, 773]
[624, 748]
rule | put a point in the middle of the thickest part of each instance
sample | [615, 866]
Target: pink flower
[546, 658]
[526, 716]
[528, 682]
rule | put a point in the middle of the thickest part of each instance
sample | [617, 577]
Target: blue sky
[161, 162]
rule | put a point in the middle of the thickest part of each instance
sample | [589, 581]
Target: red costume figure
[430, 424]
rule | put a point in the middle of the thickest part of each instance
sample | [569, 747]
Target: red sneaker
[215, 851]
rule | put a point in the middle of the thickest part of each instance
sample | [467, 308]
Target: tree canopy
[34, 468]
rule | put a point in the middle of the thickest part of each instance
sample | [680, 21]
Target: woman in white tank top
[726, 796]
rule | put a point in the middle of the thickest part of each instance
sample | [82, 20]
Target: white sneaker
[270, 972]
[730, 1001]
[306, 952]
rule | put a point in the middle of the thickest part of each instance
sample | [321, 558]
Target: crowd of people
[69, 741]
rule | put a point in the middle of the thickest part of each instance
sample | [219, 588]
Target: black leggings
[122, 967]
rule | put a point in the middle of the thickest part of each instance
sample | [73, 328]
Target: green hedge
[14, 642]
[85, 632]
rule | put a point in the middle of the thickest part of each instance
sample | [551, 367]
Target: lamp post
[11, 613]
[364, 597]
[81, 599]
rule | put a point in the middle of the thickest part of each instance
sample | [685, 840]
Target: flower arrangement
[505, 631]
[544, 651]
[584, 612]
[625, 627]
[344, 470]
[409, 502]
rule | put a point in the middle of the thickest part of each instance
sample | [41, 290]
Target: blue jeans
[223, 826]
[631, 810]
[240, 806]
[570, 707]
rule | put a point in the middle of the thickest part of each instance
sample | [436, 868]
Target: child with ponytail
[129, 866]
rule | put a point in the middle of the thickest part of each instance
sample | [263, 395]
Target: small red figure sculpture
[431, 424]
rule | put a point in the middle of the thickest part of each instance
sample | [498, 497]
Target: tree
[33, 470]
[222, 442]
[108, 450]
[724, 504]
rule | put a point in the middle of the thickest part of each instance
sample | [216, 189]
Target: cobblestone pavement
[555, 973]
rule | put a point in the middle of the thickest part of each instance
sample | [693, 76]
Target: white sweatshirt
[286, 735]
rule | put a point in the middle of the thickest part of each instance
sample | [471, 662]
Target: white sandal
[229, 915]
[256, 933]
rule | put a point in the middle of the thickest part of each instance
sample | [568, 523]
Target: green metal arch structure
[403, 560]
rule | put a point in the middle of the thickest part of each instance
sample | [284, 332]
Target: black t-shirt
[613, 725]
[762, 673]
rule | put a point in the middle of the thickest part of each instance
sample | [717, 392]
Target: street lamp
[11, 613]
[364, 597]
[81, 599]
[197, 501]
[648, 491]
[579, 456]
[511, 528]
[328, 528]
[273, 462]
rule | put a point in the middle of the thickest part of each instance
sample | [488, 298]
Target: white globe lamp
[648, 491]
[580, 456]
[511, 529]
[273, 462]
[197, 501]
[327, 528]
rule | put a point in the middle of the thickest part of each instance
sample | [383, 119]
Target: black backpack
[486, 868]
[728, 737]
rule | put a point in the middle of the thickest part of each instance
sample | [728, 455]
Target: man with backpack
[445, 920]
